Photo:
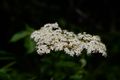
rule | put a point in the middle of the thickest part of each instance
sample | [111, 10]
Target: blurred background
[18, 58]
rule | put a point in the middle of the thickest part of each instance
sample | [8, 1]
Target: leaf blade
[19, 35]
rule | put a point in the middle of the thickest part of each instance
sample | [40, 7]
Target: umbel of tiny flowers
[52, 37]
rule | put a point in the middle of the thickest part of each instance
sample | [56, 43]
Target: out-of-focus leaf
[78, 75]
[22, 34]
[58, 76]
[83, 62]
[28, 28]
[4, 75]
[19, 36]
[4, 55]
[9, 65]
[15, 75]
[7, 58]
[29, 45]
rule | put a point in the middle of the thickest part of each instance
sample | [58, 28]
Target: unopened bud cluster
[52, 37]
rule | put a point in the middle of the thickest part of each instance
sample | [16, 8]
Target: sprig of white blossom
[52, 37]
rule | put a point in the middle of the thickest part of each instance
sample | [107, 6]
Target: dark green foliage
[28, 43]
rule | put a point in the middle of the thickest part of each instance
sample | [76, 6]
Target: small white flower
[42, 49]
[96, 38]
[70, 52]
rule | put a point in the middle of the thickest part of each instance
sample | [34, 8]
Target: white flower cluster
[52, 37]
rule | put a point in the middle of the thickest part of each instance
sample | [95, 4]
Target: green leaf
[4, 75]
[28, 28]
[83, 62]
[19, 35]
[29, 45]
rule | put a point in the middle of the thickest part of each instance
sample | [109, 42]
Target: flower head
[52, 37]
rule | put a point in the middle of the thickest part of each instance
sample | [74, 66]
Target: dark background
[101, 17]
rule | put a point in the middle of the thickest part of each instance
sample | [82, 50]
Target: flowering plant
[52, 37]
